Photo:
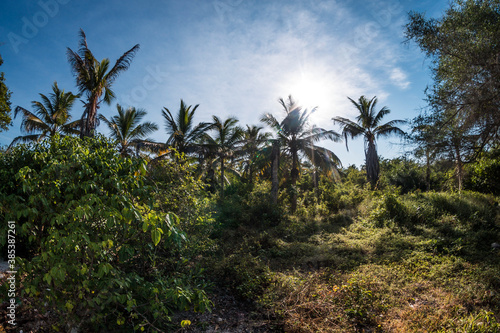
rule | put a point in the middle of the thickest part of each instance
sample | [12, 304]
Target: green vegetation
[376, 261]
[368, 126]
[126, 128]
[108, 239]
[5, 103]
[464, 100]
[51, 116]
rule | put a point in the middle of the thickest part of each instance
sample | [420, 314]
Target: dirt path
[229, 315]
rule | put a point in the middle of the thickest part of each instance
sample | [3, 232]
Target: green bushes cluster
[484, 175]
[247, 204]
[96, 248]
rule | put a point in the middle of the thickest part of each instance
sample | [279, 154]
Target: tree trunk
[427, 170]
[460, 168]
[372, 164]
[275, 155]
[222, 178]
[88, 126]
[250, 168]
[294, 175]
[316, 183]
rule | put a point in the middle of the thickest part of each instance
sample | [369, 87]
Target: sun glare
[311, 92]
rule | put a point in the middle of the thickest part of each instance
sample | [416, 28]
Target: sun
[311, 92]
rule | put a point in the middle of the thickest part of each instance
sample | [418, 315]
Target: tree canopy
[464, 46]
[51, 116]
[5, 103]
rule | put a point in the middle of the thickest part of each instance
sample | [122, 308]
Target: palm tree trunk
[372, 164]
[250, 167]
[274, 171]
[316, 183]
[294, 175]
[222, 178]
[88, 126]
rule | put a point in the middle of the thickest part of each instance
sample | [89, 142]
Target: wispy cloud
[399, 78]
[244, 63]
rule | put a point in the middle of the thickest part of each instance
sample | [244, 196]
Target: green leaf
[47, 277]
[156, 235]
[69, 306]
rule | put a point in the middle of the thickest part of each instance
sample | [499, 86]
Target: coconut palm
[228, 137]
[254, 141]
[51, 116]
[183, 133]
[296, 136]
[368, 125]
[127, 130]
[95, 79]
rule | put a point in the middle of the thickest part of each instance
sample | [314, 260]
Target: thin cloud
[399, 78]
[246, 64]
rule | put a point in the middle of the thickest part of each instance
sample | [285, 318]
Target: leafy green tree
[5, 103]
[404, 173]
[51, 116]
[369, 127]
[93, 247]
[458, 142]
[183, 133]
[484, 175]
[427, 139]
[95, 79]
[127, 130]
[296, 136]
[224, 144]
[465, 52]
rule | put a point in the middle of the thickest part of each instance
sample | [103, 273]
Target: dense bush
[96, 251]
[249, 205]
[484, 175]
[403, 173]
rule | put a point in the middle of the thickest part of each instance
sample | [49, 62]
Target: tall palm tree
[253, 142]
[228, 136]
[126, 128]
[95, 79]
[296, 136]
[368, 125]
[183, 133]
[51, 116]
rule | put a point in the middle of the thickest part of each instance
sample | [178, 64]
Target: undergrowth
[373, 262]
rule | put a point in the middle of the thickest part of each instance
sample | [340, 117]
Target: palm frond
[383, 112]
[388, 129]
[25, 139]
[122, 64]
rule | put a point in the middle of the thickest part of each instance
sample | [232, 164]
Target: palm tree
[126, 128]
[95, 79]
[228, 136]
[51, 116]
[296, 136]
[253, 143]
[368, 125]
[183, 134]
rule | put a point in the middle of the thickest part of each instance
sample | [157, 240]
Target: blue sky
[233, 57]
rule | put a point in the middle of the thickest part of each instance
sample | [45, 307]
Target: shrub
[98, 254]
[484, 175]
